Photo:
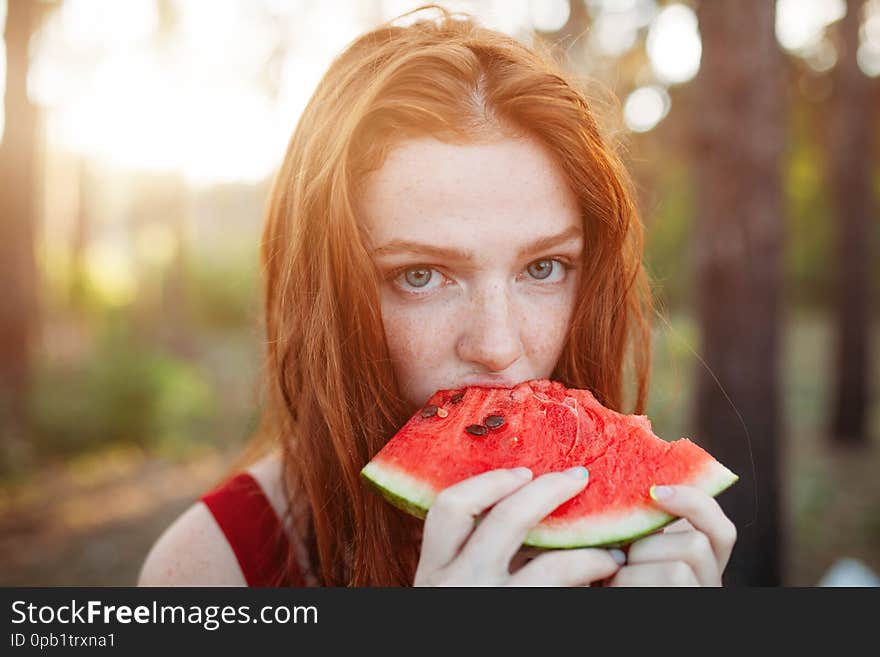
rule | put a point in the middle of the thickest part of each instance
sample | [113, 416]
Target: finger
[703, 513]
[691, 547]
[450, 519]
[524, 555]
[668, 573]
[568, 568]
[680, 525]
[500, 534]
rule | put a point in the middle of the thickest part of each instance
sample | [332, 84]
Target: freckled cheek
[418, 338]
[545, 327]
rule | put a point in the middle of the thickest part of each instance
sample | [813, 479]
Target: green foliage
[668, 230]
[674, 343]
[809, 218]
[225, 293]
[813, 497]
[126, 391]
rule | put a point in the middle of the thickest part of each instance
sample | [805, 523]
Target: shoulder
[193, 551]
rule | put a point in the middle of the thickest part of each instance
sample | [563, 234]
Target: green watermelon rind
[386, 479]
[630, 525]
[614, 529]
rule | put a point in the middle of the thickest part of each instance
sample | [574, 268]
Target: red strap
[253, 530]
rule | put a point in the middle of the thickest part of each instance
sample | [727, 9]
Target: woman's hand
[691, 552]
[457, 551]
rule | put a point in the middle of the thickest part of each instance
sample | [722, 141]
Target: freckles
[546, 327]
[403, 339]
[543, 341]
[416, 339]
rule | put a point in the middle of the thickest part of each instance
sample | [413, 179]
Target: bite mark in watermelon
[547, 427]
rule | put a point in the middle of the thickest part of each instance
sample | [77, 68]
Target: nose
[490, 330]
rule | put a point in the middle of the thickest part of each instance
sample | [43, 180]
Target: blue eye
[417, 277]
[543, 269]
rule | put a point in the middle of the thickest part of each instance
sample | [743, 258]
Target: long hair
[331, 396]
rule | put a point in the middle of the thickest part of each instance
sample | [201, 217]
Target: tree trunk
[18, 309]
[849, 147]
[739, 137]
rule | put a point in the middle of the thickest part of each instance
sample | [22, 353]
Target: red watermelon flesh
[546, 427]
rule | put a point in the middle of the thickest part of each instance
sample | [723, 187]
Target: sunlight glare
[108, 23]
[195, 102]
[110, 272]
[137, 117]
[155, 244]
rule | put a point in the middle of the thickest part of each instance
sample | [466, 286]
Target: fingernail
[661, 492]
[522, 473]
[578, 472]
[618, 555]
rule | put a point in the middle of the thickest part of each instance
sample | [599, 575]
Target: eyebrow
[431, 250]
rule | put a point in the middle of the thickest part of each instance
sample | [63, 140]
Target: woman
[446, 214]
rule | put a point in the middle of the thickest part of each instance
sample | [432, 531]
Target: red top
[253, 530]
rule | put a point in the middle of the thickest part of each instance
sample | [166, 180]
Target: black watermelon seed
[493, 421]
[456, 398]
[429, 411]
[476, 429]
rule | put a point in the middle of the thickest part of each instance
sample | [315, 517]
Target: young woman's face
[476, 246]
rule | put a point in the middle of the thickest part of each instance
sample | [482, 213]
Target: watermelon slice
[547, 427]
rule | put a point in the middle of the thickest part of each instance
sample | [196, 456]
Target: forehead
[502, 193]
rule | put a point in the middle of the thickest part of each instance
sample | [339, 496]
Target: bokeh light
[548, 15]
[800, 24]
[613, 33]
[869, 48]
[615, 27]
[822, 57]
[674, 45]
[110, 272]
[645, 108]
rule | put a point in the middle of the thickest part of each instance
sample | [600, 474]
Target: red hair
[332, 400]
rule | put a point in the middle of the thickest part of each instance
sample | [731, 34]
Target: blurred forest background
[139, 141]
